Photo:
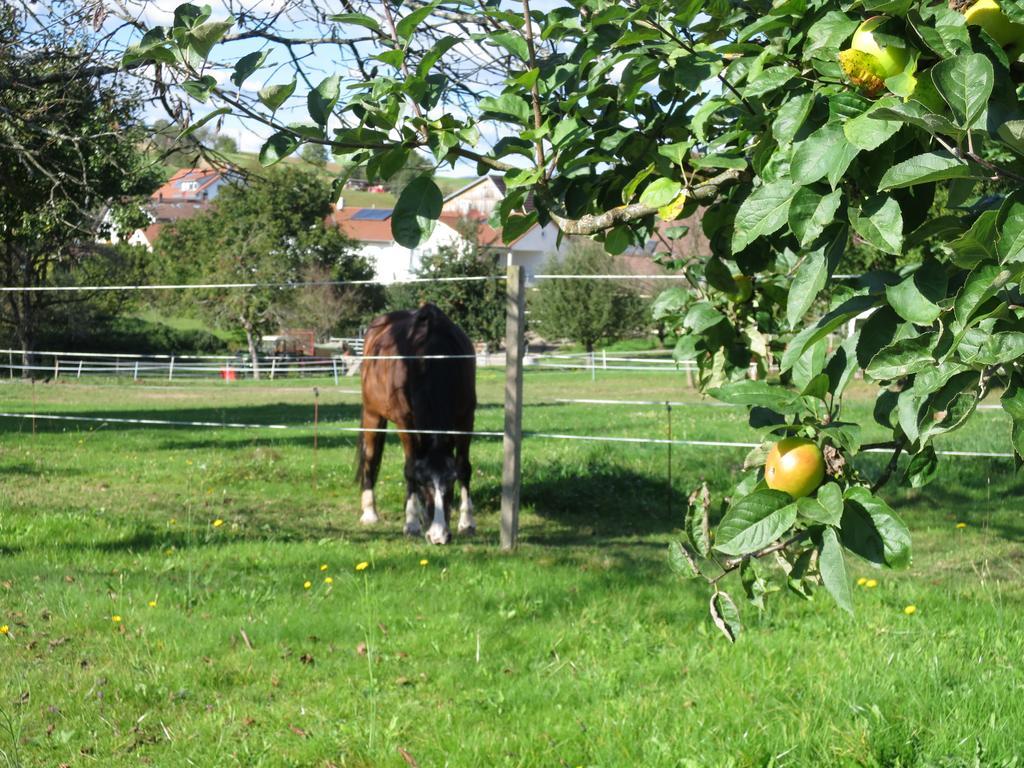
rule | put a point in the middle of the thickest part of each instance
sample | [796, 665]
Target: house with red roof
[467, 208]
[188, 192]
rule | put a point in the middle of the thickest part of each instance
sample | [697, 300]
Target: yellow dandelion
[861, 581]
[5, 630]
[362, 566]
[871, 583]
[169, 551]
[218, 523]
[961, 525]
[116, 619]
[172, 521]
[424, 562]
[189, 462]
[910, 610]
[323, 567]
[307, 584]
[151, 603]
[328, 580]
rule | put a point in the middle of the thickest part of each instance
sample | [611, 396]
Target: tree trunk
[250, 338]
[26, 338]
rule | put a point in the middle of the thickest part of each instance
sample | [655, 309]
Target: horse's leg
[373, 451]
[413, 508]
[463, 472]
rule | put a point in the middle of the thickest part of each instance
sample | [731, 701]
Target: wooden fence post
[511, 475]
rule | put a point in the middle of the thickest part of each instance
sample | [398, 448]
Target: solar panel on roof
[371, 214]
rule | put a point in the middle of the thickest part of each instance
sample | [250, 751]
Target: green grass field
[152, 582]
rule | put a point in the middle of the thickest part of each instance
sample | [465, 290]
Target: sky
[324, 61]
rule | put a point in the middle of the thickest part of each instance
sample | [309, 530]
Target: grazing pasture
[177, 596]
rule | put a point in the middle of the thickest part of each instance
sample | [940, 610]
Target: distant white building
[472, 205]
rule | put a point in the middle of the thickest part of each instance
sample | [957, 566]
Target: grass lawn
[581, 649]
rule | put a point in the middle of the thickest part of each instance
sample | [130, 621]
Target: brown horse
[427, 396]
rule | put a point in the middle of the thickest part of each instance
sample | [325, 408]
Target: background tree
[270, 231]
[68, 155]
[478, 307]
[585, 311]
[315, 155]
[225, 143]
[797, 125]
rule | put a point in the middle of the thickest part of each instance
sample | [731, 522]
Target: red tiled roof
[204, 177]
[363, 231]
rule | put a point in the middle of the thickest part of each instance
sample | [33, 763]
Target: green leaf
[511, 42]
[810, 213]
[829, 32]
[791, 117]
[187, 15]
[916, 297]
[408, 23]
[1011, 224]
[247, 65]
[416, 212]
[431, 57]
[359, 19]
[278, 147]
[660, 192]
[273, 96]
[1012, 134]
[754, 522]
[725, 615]
[978, 243]
[762, 213]
[321, 100]
[770, 80]
[702, 316]
[517, 225]
[696, 522]
[982, 284]
[719, 276]
[965, 82]
[923, 468]
[1013, 403]
[507, 104]
[824, 154]
[846, 311]
[890, 531]
[903, 357]
[748, 392]
[683, 560]
[200, 89]
[922, 169]
[204, 120]
[879, 221]
[830, 497]
[832, 567]
[868, 131]
[917, 114]
[807, 283]
[999, 348]
[202, 39]
[630, 189]
[809, 364]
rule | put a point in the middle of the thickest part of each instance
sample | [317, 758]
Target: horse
[427, 397]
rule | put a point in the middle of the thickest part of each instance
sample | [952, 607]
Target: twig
[891, 467]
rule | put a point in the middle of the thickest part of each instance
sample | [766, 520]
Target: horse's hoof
[467, 530]
[369, 517]
[413, 529]
[438, 535]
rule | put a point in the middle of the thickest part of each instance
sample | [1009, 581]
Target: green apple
[869, 61]
[891, 59]
[743, 291]
[989, 16]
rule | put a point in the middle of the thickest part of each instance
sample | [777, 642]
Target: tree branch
[898, 447]
[705, 192]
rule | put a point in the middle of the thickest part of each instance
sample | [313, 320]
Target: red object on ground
[228, 374]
